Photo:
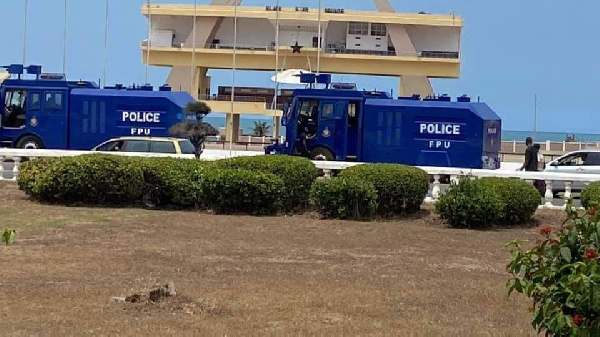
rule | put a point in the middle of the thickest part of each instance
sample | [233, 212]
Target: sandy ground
[239, 275]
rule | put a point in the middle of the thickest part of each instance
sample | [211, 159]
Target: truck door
[52, 118]
[332, 133]
[352, 126]
[13, 115]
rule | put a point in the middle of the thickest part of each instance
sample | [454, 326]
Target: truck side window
[353, 114]
[309, 108]
[35, 100]
[14, 109]
[328, 110]
[53, 100]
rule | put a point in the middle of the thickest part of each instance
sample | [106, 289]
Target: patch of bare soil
[239, 275]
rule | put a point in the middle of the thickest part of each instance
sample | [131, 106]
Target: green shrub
[30, 171]
[298, 174]
[345, 198]
[561, 275]
[469, 204]
[400, 189]
[89, 179]
[520, 199]
[231, 191]
[590, 197]
[173, 182]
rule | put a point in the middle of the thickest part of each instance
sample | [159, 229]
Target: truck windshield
[186, 147]
[287, 114]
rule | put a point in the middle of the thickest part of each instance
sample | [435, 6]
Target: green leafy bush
[30, 171]
[520, 199]
[173, 182]
[469, 204]
[298, 175]
[345, 198]
[400, 189]
[562, 276]
[89, 179]
[233, 191]
[590, 197]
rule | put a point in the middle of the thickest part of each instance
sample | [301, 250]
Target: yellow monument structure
[414, 47]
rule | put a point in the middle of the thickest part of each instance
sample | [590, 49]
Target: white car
[582, 161]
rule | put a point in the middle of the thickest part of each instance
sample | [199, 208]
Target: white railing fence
[11, 159]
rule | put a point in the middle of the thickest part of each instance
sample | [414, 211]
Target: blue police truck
[350, 125]
[51, 112]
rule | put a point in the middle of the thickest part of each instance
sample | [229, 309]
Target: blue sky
[511, 50]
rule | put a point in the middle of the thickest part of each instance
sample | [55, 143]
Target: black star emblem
[296, 48]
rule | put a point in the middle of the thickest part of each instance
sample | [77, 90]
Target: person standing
[531, 164]
[531, 156]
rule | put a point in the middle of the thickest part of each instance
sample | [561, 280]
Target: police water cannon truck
[348, 125]
[50, 112]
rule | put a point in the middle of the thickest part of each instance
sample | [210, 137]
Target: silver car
[582, 161]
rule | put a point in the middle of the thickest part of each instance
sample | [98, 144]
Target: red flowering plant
[561, 275]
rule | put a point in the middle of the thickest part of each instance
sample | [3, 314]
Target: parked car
[582, 161]
[147, 144]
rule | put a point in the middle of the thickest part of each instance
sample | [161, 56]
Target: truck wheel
[320, 153]
[30, 142]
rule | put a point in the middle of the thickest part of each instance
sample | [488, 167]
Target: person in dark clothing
[531, 156]
[531, 164]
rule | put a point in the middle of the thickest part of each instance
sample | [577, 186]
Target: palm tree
[260, 129]
[193, 128]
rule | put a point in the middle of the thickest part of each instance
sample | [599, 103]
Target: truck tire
[30, 142]
[321, 152]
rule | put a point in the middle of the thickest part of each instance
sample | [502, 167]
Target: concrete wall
[336, 33]
[251, 32]
[182, 26]
[434, 38]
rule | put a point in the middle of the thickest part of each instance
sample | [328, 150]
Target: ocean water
[247, 124]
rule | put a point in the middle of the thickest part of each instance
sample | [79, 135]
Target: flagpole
[149, 42]
[106, 31]
[276, 58]
[25, 32]
[194, 94]
[64, 65]
[319, 41]
[235, 24]
[534, 117]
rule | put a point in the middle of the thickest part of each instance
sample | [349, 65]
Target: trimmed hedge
[89, 179]
[520, 198]
[298, 174]
[173, 182]
[231, 191]
[469, 204]
[590, 197]
[345, 198]
[30, 171]
[400, 189]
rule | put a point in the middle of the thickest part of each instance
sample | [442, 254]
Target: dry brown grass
[251, 276]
